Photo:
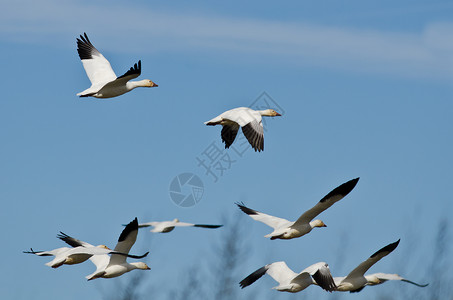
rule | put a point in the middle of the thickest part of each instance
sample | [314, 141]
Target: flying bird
[167, 226]
[284, 229]
[356, 280]
[116, 265]
[80, 252]
[104, 82]
[289, 281]
[246, 118]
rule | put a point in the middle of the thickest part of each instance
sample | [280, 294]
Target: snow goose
[116, 265]
[284, 229]
[167, 226]
[104, 82]
[80, 252]
[246, 118]
[292, 282]
[356, 279]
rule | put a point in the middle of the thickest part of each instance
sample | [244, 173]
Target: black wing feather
[253, 277]
[207, 226]
[255, 140]
[135, 70]
[85, 48]
[389, 248]
[69, 240]
[324, 281]
[133, 225]
[342, 190]
[245, 209]
[229, 134]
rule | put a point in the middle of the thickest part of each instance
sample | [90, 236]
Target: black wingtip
[136, 69]
[133, 225]
[253, 277]
[84, 47]
[343, 189]
[326, 282]
[245, 209]
[389, 248]
[138, 256]
[207, 226]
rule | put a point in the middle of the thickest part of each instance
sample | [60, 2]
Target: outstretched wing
[253, 131]
[133, 72]
[73, 242]
[97, 67]
[53, 252]
[320, 272]
[385, 277]
[271, 221]
[182, 224]
[125, 242]
[279, 271]
[326, 202]
[229, 133]
[364, 266]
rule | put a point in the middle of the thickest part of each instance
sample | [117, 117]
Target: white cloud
[424, 54]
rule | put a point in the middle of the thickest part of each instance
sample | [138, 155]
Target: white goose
[116, 265]
[284, 229]
[357, 280]
[292, 282]
[167, 226]
[81, 252]
[104, 83]
[246, 118]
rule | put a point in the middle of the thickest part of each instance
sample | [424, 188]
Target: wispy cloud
[427, 53]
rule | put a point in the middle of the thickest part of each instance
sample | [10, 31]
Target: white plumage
[104, 82]
[289, 281]
[167, 226]
[246, 118]
[284, 229]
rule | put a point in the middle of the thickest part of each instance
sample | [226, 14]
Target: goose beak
[279, 115]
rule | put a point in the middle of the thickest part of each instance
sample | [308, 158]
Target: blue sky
[366, 90]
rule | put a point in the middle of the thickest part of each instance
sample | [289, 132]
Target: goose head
[103, 247]
[317, 223]
[140, 265]
[269, 113]
[147, 83]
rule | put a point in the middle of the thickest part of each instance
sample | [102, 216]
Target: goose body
[246, 118]
[116, 264]
[284, 229]
[104, 82]
[71, 256]
[167, 226]
[79, 253]
[289, 281]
